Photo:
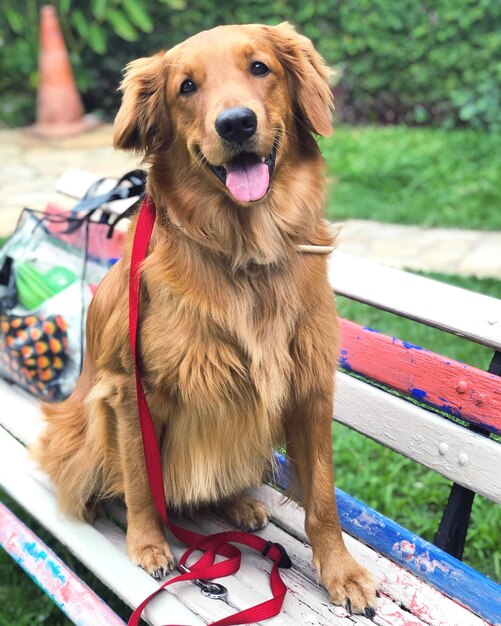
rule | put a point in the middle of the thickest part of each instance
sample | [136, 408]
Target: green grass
[424, 176]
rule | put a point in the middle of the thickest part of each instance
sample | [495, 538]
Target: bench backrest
[431, 388]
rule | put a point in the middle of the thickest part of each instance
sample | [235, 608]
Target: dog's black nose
[237, 124]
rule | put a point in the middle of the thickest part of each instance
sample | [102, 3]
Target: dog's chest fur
[222, 369]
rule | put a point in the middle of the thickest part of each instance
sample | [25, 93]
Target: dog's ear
[143, 109]
[308, 77]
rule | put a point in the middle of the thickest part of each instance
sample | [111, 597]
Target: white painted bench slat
[20, 413]
[464, 313]
[465, 457]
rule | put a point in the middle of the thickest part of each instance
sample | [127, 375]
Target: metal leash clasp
[207, 587]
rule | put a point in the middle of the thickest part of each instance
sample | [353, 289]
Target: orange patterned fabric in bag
[33, 352]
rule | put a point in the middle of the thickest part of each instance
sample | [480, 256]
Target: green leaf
[79, 21]
[121, 25]
[468, 111]
[16, 21]
[138, 15]
[34, 79]
[97, 38]
[64, 6]
[177, 5]
[98, 8]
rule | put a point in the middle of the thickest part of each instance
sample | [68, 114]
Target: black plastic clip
[285, 561]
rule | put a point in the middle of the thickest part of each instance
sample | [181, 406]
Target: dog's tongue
[247, 178]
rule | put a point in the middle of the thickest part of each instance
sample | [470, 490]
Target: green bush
[419, 62]
[413, 62]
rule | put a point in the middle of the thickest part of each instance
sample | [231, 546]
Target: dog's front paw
[156, 559]
[246, 512]
[348, 584]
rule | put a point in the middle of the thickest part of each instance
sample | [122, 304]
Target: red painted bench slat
[456, 388]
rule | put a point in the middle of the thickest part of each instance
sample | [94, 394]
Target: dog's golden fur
[238, 331]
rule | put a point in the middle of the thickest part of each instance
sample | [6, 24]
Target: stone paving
[444, 250]
[30, 167]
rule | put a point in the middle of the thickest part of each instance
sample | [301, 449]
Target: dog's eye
[258, 68]
[187, 86]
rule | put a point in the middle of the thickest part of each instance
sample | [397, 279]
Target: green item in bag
[33, 287]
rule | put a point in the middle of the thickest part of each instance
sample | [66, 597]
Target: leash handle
[220, 544]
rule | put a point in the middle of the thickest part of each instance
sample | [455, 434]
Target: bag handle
[130, 185]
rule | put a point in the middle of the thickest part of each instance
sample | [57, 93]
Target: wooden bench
[408, 409]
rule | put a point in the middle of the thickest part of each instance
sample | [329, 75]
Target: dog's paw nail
[256, 525]
[370, 612]
[156, 560]
[164, 570]
[378, 595]
[347, 606]
[159, 573]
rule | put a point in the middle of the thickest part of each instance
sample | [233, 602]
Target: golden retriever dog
[237, 332]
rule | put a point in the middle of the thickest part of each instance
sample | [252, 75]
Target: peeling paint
[343, 361]
[422, 561]
[419, 393]
[406, 549]
[451, 409]
[66, 590]
[368, 521]
[33, 550]
[411, 346]
[55, 570]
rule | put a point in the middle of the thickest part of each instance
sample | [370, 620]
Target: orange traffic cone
[60, 110]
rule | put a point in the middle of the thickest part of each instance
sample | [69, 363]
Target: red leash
[211, 545]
